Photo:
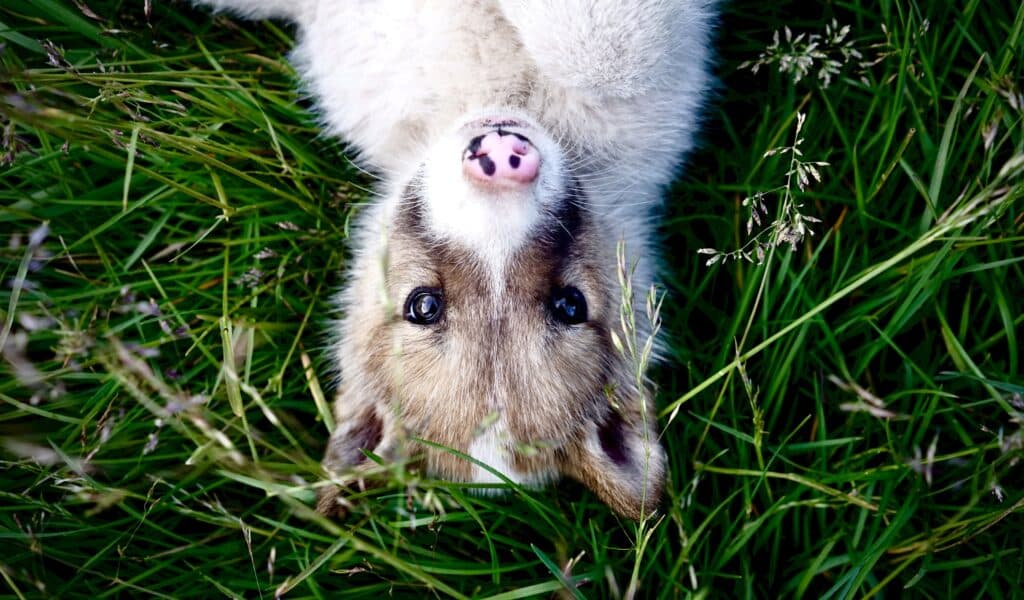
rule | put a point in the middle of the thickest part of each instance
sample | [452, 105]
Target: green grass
[160, 429]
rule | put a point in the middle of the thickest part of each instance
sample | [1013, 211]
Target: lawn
[842, 401]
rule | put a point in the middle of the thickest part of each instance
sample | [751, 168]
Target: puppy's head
[482, 321]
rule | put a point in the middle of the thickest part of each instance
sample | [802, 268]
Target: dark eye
[568, 305]
[424, 306]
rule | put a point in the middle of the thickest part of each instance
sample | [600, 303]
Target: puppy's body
[602, 96]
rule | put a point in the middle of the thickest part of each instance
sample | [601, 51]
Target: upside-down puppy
[517, 142]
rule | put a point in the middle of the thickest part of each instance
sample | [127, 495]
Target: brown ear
[359, 426]
[620, 459]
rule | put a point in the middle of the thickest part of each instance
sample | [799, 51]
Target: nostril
[501, 158]
[487, 165]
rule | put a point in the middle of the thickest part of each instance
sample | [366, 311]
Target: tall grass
[842, 408]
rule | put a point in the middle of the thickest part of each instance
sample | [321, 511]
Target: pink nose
[501, 158]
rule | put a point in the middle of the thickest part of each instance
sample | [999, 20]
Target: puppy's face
[486, 327]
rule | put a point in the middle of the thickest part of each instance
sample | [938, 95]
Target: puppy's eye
[568, 305]
[424, 306]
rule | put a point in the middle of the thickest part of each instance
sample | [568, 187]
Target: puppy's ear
[620, 459]
[359, 426]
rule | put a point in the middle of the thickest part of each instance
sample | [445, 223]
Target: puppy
[518, 143]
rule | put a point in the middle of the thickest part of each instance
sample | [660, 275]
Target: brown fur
[495, 352]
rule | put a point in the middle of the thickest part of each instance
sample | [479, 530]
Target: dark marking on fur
[565, 223]
[613, 440]
[345, 452]
[370, 435]
[410, 209]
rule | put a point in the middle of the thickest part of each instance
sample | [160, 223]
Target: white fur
[493, 448]
[492, 225]
[619, 83]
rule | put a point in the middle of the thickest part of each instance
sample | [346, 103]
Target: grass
[843, 420]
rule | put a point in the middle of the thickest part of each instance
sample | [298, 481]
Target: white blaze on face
[491, 221]
[493, 447]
